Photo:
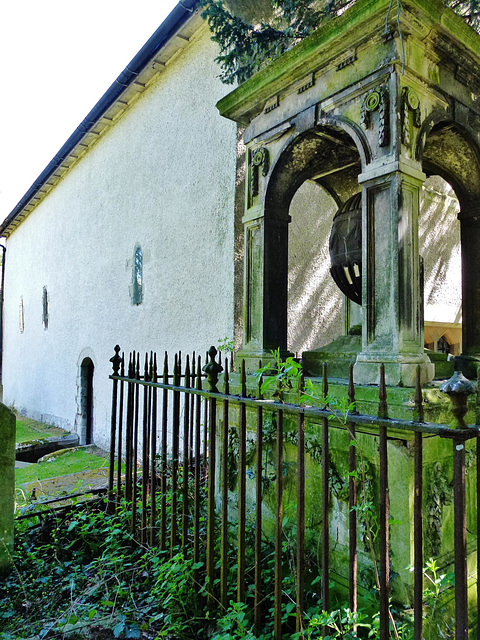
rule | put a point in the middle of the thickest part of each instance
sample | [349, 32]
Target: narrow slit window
[137, 285]
[21, 317]
[45, 308]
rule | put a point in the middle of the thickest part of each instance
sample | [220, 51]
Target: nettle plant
[226, 345]
[282, 376]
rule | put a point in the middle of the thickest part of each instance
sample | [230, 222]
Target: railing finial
[477, 400]
[325, 398]
[212, 369]
[116, 360]
[351, 391]
[243, 380]
[418, 412]
[227, 379]
[382, 395]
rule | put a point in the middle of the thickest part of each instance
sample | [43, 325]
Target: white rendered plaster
[163, 177]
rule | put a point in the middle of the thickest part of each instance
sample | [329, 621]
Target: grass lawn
[70, 472]
[54, 477]
[28, 429]
[72, 461]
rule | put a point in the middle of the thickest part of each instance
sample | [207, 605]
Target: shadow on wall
[314, 301]
[315, 304]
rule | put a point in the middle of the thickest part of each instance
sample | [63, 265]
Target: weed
[225, 344]
[84, 575]
[280, 376]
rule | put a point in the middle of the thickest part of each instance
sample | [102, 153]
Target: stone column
[7, 485]
[392, 327]
[265, 287]
[469, 360]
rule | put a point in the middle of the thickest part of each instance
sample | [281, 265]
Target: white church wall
[162, 178]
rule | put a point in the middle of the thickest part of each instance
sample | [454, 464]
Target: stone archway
[343, 159]
[330, 157]
[404, 111]
[84, 420]
[450, 150]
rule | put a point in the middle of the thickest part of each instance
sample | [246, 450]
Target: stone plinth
[7, 485]
[437, 489]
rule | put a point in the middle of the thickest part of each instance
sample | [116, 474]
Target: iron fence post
[458, 388]
[116, 361]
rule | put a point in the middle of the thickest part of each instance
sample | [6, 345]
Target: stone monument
[371, 103]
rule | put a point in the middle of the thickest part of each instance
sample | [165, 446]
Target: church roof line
[172, 35]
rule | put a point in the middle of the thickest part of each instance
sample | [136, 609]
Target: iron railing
[167, 429]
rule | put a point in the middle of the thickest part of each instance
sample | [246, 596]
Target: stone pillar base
[468, 365]
[338, 355]
[399, 371]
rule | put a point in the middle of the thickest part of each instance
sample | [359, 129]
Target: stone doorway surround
[84, 423]
[373, 104]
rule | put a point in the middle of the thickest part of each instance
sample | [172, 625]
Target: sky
[59, 57]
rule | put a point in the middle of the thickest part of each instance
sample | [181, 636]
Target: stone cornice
[429, 20]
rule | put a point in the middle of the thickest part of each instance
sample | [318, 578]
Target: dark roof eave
[176, 18]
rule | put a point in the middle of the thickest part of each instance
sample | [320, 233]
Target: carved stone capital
[377, 100]
[259, 161]
[411, 114]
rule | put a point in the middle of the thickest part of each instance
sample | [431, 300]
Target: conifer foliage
[245, 48]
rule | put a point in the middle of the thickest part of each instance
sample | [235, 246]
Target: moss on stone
[7, 485]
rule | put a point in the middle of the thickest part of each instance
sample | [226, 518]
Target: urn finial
[458, 388]
[212, 369]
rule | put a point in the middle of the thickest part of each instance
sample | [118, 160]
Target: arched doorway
[85, 421]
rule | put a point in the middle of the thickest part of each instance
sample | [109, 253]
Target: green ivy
[83, 575]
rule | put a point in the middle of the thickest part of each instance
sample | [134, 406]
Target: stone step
[34, 449]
